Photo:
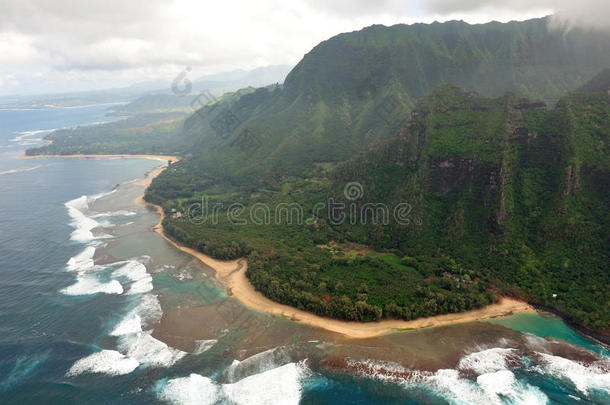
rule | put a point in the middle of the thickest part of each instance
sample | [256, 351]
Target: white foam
[495, 384]
[26, 134]
[496, 387]
[80, 203]
[258, 363]
[87, 284]
[107, 362]
[120, 213]
[502, 387]
[20, 170]
[130, 324]
[141, 286]
[148, 350]
[487, 361]
[192, 390]
[584, 377]
[96, 197]
[136, 272]
[82, 261]
[448, 383]
[148, 310]
[387, 371]
[282, 385]
[204, 345]
[83, 224]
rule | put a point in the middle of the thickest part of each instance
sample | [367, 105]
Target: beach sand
[233, 275]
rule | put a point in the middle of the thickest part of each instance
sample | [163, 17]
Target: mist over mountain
[496, 135]
[331, 102]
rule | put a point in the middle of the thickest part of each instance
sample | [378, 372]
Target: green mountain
[153, 103]
[353, 90]
[151, 128]
[503, 186]
[449, 197]
[473, 197]
[600, 83]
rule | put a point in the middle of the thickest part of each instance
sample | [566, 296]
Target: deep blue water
[49, 323]
[39, 329]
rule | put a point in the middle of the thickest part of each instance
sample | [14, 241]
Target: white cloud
[8, 80]
[141, 39]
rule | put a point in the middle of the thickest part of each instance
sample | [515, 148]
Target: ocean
[95, 307]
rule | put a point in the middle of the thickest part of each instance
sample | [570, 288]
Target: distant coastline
[119, 155]
[10, 107]
[232, 274]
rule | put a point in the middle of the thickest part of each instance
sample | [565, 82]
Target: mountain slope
[474, 197]
[503, 186]
[353, 90]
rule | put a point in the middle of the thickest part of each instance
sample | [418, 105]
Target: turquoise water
[78, 307]
[543, 325]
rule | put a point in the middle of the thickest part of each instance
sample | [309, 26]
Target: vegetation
[142, 134]
[498, 194]
[506, 197]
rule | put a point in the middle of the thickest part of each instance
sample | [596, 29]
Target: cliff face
[353, 90]
[504, 185]
[455, 146]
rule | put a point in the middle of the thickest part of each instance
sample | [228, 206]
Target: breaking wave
[585, 378]
[280, 385]
[20, 170]
[108, 362]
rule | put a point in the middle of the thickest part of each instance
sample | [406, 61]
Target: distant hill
[355, 89]
[214, 85]
[153, 103]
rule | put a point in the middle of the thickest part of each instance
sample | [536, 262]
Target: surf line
[233, 275]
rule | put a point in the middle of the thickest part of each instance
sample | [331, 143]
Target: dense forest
[505, 197]
[501, 177]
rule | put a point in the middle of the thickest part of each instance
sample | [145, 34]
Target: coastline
[233, 275]
[118, 155]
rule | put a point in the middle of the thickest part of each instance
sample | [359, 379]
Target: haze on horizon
[69, 45]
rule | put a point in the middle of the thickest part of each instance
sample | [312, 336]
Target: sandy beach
[233, 275]
[120, 155]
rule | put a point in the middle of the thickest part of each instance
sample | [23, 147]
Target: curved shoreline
[233, 275]
[117, 155]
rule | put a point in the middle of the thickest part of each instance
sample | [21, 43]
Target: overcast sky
[67, 45]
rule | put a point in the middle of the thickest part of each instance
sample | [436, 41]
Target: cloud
[8, 80]
[131, 40]
[361, 8]
[582, 13]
